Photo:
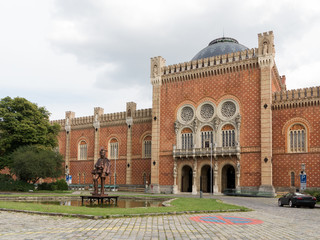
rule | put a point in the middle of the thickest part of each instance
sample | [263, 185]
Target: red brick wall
[139, 167]
[138, 131]
[62, 142]
[283, 162]
[250, 170]
[82, 167]
[76, 135]
[120, 133]
[166, 170]
[244, 85]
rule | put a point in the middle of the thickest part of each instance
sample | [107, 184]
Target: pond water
[122, 203]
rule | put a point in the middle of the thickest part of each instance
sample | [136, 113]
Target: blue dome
[220, 46]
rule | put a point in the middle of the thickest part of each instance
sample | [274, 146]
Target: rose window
[187, 114]
[228, 109]
[206, 111]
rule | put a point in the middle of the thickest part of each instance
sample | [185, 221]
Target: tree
[30, 163]
[23, 123]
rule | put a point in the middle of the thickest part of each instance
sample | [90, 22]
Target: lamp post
[115, 166]
[211, 170]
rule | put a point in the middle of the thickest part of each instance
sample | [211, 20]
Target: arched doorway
[205, 179]
[228, 178]
[186, 179]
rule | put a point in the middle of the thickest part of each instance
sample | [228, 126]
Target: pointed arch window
[186, 138]
[297, 138]
[82, 150]
[114, 148]
[228, 136]
[292, 179]
[206, 136]
[146, 147]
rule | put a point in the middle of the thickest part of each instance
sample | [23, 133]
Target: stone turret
[266, 54]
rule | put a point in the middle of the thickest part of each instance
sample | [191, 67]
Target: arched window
[228, 136]
[114, 148]
[206, 136]
[186, 138]
[82, 150]
[292, 180]
[297, 138]
[146, 147]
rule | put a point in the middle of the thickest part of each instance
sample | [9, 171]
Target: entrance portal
[228, 178]
[205, 179]
[186, 179]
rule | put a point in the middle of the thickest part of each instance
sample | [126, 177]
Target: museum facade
[223, 121]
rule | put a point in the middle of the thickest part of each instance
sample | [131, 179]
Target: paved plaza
[268, 222]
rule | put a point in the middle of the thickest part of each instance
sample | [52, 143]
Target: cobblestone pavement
[278, 223]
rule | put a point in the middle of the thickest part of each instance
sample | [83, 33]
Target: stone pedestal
[194, 190]
[154, 188]
[175, 189]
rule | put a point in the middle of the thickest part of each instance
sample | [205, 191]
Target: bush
[8, 184]
[62, 184]
[58, 185]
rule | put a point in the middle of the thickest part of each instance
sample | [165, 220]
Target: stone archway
[205, 179]
[186, 179]
[228, 178]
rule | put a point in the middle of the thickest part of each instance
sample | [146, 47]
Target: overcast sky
[74, 55]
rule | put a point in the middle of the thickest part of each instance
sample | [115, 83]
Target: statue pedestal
[215, 189]
[175, 189]
[194, 190]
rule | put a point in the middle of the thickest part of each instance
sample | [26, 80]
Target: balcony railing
[206, 152]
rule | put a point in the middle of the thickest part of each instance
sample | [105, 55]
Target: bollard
[200, 194]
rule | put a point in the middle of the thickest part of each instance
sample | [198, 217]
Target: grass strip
[178, 205]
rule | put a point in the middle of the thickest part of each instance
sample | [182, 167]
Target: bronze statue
[101, 170]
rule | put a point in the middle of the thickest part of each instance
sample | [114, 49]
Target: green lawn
[178, 205]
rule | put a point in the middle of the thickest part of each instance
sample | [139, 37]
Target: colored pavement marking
[226, 220]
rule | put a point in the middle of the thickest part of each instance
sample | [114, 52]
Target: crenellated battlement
[61, 122]
[220, 60]
[296, 98]
[138, 115]
[142, 113]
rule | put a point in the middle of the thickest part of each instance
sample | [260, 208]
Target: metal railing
[206, 152]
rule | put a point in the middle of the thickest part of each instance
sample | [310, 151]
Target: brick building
[227, 110]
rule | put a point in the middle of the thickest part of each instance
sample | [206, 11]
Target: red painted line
[226, 220]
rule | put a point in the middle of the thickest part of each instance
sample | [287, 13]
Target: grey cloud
[110, 37]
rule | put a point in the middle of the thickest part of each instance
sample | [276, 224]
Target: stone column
[98, 112]
[215, 175]
[238, 189]
[175, 185]
[69, 116]
[194, 185]
[266, 62]
[156, 65]
[131, 108]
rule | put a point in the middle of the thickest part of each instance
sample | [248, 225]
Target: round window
[228, 109]
[206, 111]
[187, 114]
